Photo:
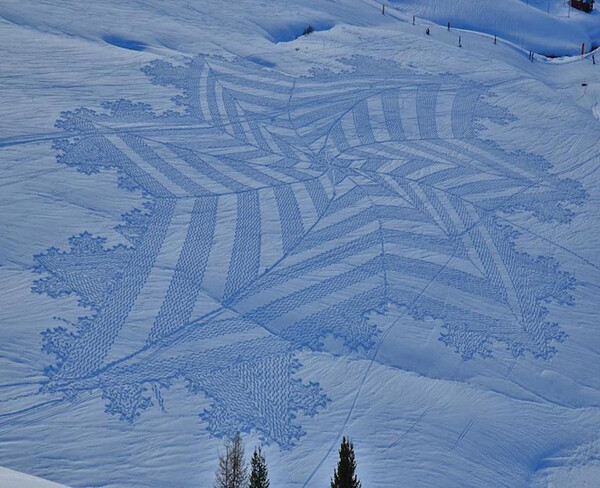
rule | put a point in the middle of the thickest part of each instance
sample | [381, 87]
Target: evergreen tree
[232, 472]
[344, 476]
[259, 477]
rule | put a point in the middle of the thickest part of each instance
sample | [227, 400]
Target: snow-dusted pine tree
[344, 476]
[232, 472]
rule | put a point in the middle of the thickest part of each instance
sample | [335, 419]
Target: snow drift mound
[292, 30]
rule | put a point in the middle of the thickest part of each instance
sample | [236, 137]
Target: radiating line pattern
[285, 210]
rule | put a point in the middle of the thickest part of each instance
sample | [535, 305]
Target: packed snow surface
[212, 223]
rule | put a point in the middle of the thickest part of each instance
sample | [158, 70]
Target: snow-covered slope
[211, 223]
[547, 27]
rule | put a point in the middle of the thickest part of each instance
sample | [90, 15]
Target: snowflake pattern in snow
[296, 206]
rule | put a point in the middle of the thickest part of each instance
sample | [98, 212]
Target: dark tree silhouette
[344, 476]
[259, 477]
